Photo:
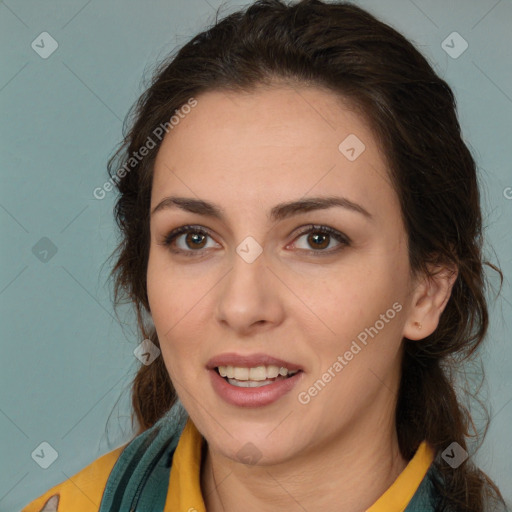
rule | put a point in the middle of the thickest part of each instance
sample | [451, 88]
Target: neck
[347, 472]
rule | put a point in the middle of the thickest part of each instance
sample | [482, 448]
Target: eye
[191, 244]
[320, 238]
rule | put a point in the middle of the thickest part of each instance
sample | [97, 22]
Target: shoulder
[82, 492]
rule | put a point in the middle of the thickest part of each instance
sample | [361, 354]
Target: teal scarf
[139, 479]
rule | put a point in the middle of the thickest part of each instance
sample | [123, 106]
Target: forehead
[279, 142]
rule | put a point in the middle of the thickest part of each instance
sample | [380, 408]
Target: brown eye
[319, 238]
[195, 240]
[187, 240]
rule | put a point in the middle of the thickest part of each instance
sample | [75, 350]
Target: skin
[247, 152]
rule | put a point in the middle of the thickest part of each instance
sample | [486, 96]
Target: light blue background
[65, 361]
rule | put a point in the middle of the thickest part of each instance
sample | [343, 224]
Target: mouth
[254, 380]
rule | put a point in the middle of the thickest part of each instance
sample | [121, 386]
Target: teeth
[249, 383]
[272, 372]
[241, 373]
[257, 374]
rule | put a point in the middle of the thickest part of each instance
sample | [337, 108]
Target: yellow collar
[401, 491]
[185, 486]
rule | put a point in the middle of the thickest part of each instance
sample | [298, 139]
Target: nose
[250, 297]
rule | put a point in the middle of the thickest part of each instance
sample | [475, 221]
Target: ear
[430, 296]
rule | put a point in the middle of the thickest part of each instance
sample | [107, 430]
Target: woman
[302, 244]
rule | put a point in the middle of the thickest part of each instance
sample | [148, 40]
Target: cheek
[364, 301]
[170, 293]
[364, 310]
[178, 305]
[165, 304]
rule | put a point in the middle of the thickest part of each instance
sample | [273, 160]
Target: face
[254, 283]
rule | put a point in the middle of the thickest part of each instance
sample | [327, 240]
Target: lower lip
[253, 397]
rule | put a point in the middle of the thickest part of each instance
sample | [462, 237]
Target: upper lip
[249, 361]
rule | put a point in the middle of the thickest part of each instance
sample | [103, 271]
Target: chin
[253, 448]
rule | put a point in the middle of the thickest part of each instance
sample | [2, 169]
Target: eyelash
[312, 228]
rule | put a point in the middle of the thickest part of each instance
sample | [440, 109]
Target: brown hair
[412, 112]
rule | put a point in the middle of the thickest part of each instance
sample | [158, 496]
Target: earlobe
[429, 300]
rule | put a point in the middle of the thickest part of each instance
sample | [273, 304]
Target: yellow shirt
[83, 491]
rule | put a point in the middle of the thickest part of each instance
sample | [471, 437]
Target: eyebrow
[279, 212]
